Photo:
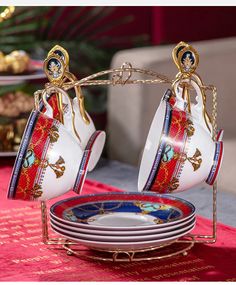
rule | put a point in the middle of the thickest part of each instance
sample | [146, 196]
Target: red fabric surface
[23, 257]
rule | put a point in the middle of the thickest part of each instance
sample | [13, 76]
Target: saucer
[129, 246]
[126, 238]
[77, 228]
[122, 211]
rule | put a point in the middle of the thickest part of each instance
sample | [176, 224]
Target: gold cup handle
[188, 83]
[80, 97]
[58, 90]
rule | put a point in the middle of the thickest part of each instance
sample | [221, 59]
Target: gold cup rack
[123, 76]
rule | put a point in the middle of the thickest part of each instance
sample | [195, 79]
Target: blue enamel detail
[29, 159]
[168, 153]
[161, 212]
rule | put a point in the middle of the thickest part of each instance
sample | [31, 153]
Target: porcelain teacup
[179, 152]
[49, 162]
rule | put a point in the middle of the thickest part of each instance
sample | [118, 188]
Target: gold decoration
[7, 13]
[57, 167]
[158, 221]
[16, 62]
[195, 160]
[189, 128]
[53, 134]
[173, 184]
[186, 58]
[61, 52]
[36, 191]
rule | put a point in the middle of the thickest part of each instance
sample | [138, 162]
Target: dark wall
[172, 24]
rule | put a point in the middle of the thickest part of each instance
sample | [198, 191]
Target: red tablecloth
[23, 257]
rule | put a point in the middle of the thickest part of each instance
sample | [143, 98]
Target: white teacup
[48, 160]
[179, 152]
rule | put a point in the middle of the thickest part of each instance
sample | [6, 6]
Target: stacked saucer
[123, 221]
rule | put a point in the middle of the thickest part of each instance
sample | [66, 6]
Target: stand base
[164, 251]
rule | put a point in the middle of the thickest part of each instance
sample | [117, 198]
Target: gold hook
[118, 77]
[58, 90]
[80, 97]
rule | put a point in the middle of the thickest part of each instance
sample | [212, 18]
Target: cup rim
[217, 161]
[161, 145]
[84, 163]
[33, 118]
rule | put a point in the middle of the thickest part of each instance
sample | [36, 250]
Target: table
[125, 176]
[23, 256]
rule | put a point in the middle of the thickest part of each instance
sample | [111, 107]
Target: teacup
[179, 152]
[49, 161]
[74, 121]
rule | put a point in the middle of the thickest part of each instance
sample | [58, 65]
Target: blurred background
[98, 38]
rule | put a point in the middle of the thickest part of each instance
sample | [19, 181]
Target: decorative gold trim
[187, 60]
[62, 53]
[176, 50]
[195, 160]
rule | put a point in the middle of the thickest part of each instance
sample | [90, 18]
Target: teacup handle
[69, 117]
[198, 110]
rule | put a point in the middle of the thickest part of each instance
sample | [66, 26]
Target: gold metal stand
[122, 76]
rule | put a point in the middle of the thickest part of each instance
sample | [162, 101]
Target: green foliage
[81, 30]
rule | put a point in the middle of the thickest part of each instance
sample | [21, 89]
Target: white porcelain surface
[125, 245]
[121, 228]
[127, 238]
[72, 155]
[111, 232]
